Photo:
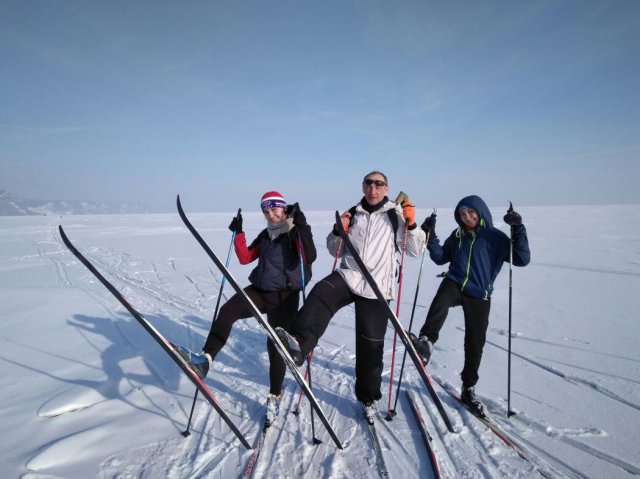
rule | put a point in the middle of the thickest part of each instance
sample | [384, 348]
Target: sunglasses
[377, 183]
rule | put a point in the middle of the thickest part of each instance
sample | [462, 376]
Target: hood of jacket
[478, 204]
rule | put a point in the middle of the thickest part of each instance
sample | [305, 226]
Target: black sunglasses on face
[378, 183]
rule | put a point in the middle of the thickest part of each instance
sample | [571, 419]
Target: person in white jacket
[377, 236]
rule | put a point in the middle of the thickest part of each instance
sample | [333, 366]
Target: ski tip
[63, 235]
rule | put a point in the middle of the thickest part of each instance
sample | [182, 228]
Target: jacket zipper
[464, 283]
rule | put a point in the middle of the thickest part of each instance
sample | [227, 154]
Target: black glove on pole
[512, 218]
[429, 225]
[236, 224]
[294, 212]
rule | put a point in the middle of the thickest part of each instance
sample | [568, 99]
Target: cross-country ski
[155, 334]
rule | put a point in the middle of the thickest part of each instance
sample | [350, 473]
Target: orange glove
[346, 219]
[409, 212]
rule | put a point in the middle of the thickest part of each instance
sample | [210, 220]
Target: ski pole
[509, 411]
[413, 310]
[402, 197]
[390, 412]
[186, 432]
[233, 237]
[296, 411]
[300, 246]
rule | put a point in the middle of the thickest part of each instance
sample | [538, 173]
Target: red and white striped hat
[272, 199]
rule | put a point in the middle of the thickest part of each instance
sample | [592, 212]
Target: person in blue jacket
[475, 251]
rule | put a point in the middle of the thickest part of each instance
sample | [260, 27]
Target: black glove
[294, 211]
[512, 218]
[236, 224]
[429, 225]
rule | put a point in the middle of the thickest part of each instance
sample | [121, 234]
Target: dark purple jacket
[279, 266]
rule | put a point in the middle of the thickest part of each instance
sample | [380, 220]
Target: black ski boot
[292, 346]
[423, 346]
[469, 398]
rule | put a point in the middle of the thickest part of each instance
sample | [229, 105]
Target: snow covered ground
[87, 393]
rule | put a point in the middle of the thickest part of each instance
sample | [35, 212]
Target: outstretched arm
[303, 231]
[521, 252]
[334, 241]
[245, 254]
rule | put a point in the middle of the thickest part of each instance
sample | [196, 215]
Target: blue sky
[536, 102]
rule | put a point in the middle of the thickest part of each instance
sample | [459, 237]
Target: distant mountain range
[11, 205]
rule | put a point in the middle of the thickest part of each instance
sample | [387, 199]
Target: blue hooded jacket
[477, 256]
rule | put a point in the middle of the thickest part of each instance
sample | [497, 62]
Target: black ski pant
[325, 299]
[280, 308]
[476, 321]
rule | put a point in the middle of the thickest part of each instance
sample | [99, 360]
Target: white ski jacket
[373, 237]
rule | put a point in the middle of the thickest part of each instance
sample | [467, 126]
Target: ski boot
[198, 362]
[292, 346]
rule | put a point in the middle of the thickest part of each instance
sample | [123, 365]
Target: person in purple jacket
[275, 286]
[475, 251]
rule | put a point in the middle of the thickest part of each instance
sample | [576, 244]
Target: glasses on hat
[377, 183]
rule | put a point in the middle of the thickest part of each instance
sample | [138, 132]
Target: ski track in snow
[114, 266]
[564, 434]
[522, 337]
[572, 377]
[613, 271]
[561, 434]
[545, 462]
